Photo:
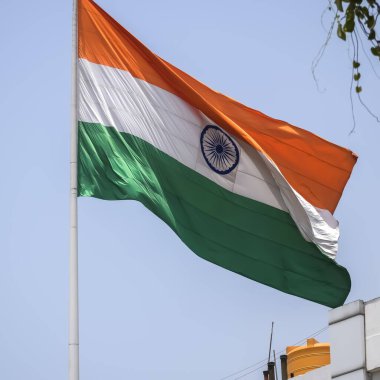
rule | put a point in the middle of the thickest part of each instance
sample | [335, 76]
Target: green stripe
[245, 236]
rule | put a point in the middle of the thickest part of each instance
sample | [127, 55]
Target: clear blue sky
[149, 308]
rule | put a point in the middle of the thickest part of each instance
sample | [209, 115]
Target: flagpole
[73, 261]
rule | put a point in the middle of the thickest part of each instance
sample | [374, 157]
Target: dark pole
[284, 367]
[266, 375]
[275, 364]
[271, 370]
[270, 342]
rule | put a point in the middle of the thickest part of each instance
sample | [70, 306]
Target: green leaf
[349, 26]
[365, 11]
[370, 22]
[355, 64]
[376, 51]
[372, 35]
[350, 9]
[359, 13]
[339, 5]
[357, 76]
[341, 33]
[358, 89]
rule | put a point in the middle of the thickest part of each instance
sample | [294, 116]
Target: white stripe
[316, 225]
[115, 98]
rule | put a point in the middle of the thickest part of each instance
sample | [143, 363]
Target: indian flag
[245, 191]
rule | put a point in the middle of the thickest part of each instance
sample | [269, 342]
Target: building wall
[372, 334]
[354, 331]
[347, 338]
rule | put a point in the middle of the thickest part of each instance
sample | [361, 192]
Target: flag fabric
[245, 191]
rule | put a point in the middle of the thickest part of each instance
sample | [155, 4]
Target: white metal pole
[73, 263]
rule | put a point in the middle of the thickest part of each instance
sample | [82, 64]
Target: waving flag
[245, 191]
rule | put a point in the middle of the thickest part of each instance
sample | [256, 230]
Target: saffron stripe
[318, 170]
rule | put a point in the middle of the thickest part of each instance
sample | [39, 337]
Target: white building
[354, 331]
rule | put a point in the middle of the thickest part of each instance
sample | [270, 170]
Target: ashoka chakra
[219, 150]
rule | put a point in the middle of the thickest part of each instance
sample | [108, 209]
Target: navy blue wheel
[219, 150]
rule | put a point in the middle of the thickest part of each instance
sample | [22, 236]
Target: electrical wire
[248, 373]
[245, 369]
